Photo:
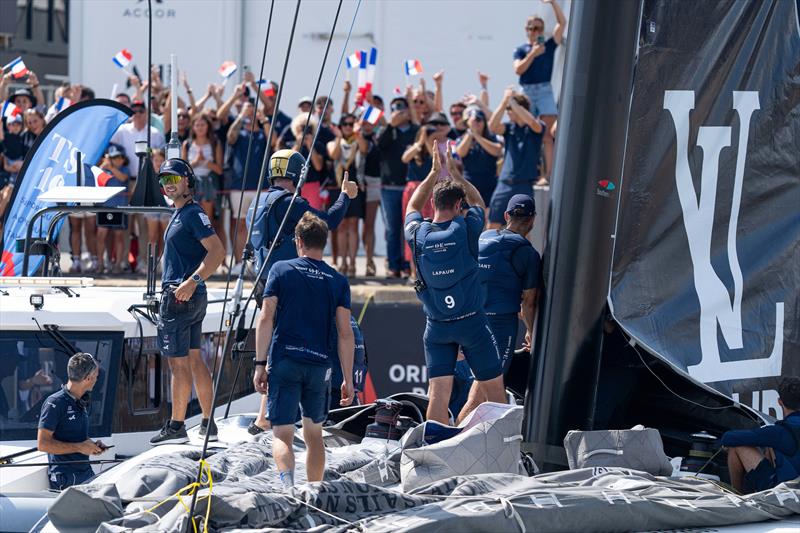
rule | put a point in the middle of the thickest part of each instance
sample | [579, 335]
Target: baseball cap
[114, 151]
[305, 100]
[521, 205]
[438, 118]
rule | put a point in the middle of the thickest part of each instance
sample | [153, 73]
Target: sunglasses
[351, 124]
[456, 113]
[419, 102]
[183, 116]
[170, 180]
[534, 28]
[139, 110]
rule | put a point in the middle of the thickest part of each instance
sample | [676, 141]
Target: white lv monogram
[716, 307]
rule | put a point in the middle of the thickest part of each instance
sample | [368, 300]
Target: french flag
[101, 177]
[17, 68]
[227, 69]
[10, 110]
[373, 59]
[123, 59]
[268, 88]
[413, 67]
[354, 60]
[372, 115]
[62, 104]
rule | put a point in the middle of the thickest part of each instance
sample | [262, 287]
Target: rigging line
[241, 197]
[303, 175]
[149, 73]
[292, 200]
[215, 392]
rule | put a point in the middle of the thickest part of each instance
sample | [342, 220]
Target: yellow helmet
[286, 164]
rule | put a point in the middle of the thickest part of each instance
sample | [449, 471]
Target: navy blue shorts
[762, 477]
[472, 334]
[63, 479]
[502, 194]
[291, 384]
[180, 324]
[504, 328]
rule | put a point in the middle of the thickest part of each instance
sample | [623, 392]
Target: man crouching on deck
[304, 299]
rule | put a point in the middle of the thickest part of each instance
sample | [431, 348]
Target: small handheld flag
[397, 92]
[62, 104]
[268, 88]
[373, 59]
[353, 60]
[101, 177]
[227, 69]
[413, 67]
[123, 59]
[17, 68]
[372, 115]
[10, 110]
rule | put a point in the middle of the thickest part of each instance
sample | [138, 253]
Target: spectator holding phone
[522, 136]
[533, 63]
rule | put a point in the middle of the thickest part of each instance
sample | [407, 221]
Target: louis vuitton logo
[716, 307]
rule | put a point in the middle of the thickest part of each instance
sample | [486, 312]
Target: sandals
[371, 270]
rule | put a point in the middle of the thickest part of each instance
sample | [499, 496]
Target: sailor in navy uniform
[304, 300]
[192, 252]
[285, 169]
[510, 273]
[64, 426]
[445, 251]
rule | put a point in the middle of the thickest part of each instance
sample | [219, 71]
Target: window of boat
[33, 365]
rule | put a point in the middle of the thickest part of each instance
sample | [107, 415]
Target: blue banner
[85, 127]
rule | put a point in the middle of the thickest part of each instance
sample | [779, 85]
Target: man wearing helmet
[285, 168]
[192, 252]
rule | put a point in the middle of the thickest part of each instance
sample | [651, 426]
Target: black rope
[149, 71]
[239, 211]
[190, 521]
[291, 201]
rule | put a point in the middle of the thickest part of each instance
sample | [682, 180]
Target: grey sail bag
[638, 448]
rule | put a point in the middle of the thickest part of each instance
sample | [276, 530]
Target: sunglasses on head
[170, 179]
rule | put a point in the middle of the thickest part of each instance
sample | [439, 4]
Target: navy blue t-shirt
[480, 167]
[308, 292]
[505, 283]
[239, 181]
[541, 69]
[183, 251]
[69, 422]
[419, 172]
[522, 149]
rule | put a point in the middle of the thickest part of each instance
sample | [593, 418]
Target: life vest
[265, 229]
[787, 467]
[448, 273]
[502, 284]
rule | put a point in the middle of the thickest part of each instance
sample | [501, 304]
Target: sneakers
[212, 432]
[255, 429]
[170, 435]
[75, 268]
[236, 270]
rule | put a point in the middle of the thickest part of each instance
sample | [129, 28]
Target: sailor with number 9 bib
[445, 252]
[192, 252]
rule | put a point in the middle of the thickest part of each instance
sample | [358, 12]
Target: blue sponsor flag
[86, 127]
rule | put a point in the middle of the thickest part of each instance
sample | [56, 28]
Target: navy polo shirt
[308, 292]
[183, 251]
[69, 422]
[240, 182]
[522, 149]
[541, 68]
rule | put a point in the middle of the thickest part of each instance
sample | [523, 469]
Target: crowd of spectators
[503, 150]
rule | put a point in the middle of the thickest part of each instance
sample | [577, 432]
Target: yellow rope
[364, 309]
[189, 490]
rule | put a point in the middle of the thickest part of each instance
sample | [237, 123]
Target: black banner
[706, 267]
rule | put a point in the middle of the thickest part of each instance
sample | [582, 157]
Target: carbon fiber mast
[592, 127]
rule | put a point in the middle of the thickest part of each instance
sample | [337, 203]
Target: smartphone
[540, 39]
[107, 447]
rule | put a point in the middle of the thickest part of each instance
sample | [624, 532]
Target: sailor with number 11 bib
[445, 251]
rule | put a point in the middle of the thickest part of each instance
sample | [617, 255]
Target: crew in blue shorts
[285, 168]
[510, 273]
[304, 300]
[445, 251]
[761, 458]
[192, 252]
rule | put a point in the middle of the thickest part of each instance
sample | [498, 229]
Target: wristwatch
[260, 363]
[197, 279]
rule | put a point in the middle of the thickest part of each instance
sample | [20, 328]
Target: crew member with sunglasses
[192, 252]
[533, 63]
